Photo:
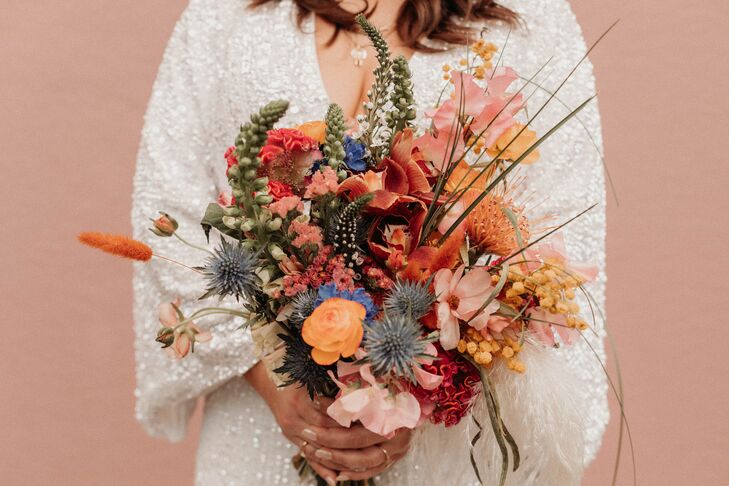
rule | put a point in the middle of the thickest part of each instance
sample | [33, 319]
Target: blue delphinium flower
[355, 154]
[357, 295]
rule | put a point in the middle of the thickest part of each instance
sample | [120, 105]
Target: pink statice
[323, 182]
[286, 204]
[305, 234]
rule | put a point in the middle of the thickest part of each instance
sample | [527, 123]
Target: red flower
[453, 398]
[279, 190]
[287, 155]
[230, 158]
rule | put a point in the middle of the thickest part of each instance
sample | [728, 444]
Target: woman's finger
[313, 416]
[329, 475]
[355, 437]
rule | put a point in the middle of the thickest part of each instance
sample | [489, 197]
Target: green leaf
[214, 219]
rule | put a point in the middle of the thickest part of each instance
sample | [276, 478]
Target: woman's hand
[332, 450]
[360, 463]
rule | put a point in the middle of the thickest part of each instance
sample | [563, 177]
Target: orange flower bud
[165, 225]
[334, 329]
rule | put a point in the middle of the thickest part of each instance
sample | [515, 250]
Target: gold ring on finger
[387, 456]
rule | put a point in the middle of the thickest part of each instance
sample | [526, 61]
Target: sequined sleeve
[175, 173]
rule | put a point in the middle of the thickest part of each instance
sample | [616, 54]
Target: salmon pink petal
[442, 283]
[454, 212]
[475, 282]
[450, 331]
[468, 93]
[498, 323]
[383, 200]
[167, 315]
[500, 79]
[455, 281]
[428, 381]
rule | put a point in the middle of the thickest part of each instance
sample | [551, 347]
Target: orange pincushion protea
[117, 245]
[490, 229]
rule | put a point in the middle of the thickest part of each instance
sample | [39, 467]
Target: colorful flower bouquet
[383, 268]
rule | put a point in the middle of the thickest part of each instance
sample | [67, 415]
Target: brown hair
[418, 19]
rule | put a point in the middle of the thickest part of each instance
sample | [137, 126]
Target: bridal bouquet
[388, 269]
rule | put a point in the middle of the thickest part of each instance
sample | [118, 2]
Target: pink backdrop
[75, 77]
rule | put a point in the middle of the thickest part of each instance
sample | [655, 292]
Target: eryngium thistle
[231, 271]
[300, 368]
[303, 305]
[393, 344]
[409, 299]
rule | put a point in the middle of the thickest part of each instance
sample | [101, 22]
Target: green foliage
[401, 97]
[334, 141]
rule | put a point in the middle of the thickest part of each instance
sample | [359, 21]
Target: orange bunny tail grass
[117, 245]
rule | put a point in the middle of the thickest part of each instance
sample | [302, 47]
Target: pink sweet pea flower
[543, 323]
[459, 297]
[554, 252]
[183, 336]
[378, 408]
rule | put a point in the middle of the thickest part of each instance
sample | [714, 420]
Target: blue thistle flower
[357, 295]
[393, 344]
[303, 305]
[301, 369]
[355, 155]
[412, 299]
[231, 271]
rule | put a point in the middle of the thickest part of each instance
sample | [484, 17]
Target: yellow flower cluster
[551, 285]
[484, 351]
[484, 51]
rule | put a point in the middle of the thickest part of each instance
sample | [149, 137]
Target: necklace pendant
[358, 54]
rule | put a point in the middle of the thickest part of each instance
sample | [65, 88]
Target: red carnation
[453, 399]
[288, 155]
[278, 190]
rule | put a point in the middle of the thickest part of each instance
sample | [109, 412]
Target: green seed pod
[260, 183]
[263, 199]
[276, 252]
[231, 222]
[250, 174]
[247, 225]
[275, 225]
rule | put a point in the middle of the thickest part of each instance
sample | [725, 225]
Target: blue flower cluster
[355, 154]
[357, 295]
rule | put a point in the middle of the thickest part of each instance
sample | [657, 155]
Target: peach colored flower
[316, 130]
[334, 329]
[283, 206]
[514, 149]
[323, 182]
[459, 297]
[379, 408]
[306, 233]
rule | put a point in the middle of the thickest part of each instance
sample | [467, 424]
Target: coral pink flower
[287, 155]
[459, 297]
[500, 108]
[379, 409]
[544, 321]
[306, 233]
[554, 252]
[323, 182]
[225, 199]
[283, 206]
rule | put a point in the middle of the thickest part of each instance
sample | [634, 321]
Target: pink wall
[75, 77]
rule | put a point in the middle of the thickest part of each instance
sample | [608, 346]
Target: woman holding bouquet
[228, 57]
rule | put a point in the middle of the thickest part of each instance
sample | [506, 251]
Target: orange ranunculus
[314, 129]
[334, 329]
[515, 144]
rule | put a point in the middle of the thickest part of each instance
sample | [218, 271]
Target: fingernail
[342, 477]
[331, 482]
[323, 454]
[309, 434]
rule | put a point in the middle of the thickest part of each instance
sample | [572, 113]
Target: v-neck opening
[309, 27]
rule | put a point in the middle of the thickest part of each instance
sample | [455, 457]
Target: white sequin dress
[225, 60]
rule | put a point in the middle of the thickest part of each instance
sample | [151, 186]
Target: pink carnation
[283, 206]
[322, 182]
[306, 233]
